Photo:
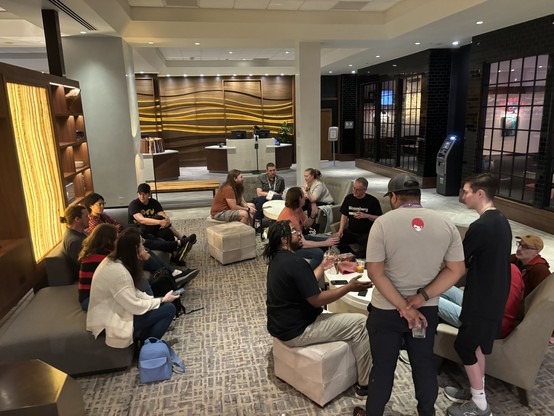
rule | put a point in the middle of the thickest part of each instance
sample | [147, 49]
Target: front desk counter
[241, 154]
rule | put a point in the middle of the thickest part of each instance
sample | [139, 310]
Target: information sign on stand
[333, 137]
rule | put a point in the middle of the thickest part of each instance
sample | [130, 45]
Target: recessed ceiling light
[218, 75]
[230, 51]
[287, 52]
[201, 75]
[150, 43]
[197, 43]
[417, 43]
[377, 56]
[512, 70]
[234, 75]
[455, 43]
[142, 72]
[266, 75]
[249, 75]
[394, 65]
[540, 66]
[516, 79]
[82, 32]
[330, 72]
[349, 64]
[282, 74]
[354, 71]
[185, 75]
[479, 22]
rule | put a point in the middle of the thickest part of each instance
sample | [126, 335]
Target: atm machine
[449, 166]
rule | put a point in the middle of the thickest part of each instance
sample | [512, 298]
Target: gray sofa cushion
[52, 328]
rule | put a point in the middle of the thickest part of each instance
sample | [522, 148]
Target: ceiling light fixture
[417, 43]
[197, 43]
[377, 56]
[455, 43]
[150, 43]
[82, 32]
[282, 74]
[479, 22]
[287, 52]
[394, 65]
[330, 72]
[349, 64]
[354, 71]
[230, 52]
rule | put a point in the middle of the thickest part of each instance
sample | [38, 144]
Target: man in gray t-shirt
[413, 255]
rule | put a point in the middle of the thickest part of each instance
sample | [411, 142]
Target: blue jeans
[314, 256]
[450, 306]
[154, 323]
[155, 263]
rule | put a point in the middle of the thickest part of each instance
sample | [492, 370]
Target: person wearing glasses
[358, 211]
[534, 268]
[295, 302]
[95, 204]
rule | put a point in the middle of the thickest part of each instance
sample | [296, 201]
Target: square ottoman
[319, 371]
[231, 242]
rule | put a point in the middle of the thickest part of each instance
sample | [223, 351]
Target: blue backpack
[157, 361]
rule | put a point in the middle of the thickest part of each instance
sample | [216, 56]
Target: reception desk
[241, 154]
[161, 166]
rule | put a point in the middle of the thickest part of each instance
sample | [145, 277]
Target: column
[105, 71]
[308, 108]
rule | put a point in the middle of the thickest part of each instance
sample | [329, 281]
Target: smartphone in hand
[179, 292]
[339, 282]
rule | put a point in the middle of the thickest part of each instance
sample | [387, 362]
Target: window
[387, 121]
[409, 130]
[368, 124]
[513, 116]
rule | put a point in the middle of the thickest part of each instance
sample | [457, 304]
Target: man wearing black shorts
[487, 247]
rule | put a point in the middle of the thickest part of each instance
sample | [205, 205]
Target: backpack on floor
[157, 361]
[162, 281]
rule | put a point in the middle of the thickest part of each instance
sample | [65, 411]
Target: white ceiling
[261, 36]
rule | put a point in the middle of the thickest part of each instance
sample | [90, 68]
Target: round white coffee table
[273, 208]
[351, 302]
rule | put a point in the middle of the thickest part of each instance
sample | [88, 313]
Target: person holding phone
[117, 307]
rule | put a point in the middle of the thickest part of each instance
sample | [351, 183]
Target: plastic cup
[419, 332]
[360, 266]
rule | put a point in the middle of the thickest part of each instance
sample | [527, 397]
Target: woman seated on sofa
[116, 304]
[95, 203]
[312, 246]
[96, 247]
[315, 192]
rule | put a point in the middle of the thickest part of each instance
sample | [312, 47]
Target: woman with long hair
[116, 304]
[95, 249]
[229, 204]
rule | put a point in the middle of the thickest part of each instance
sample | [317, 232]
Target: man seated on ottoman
[229, 204]
[294, 302]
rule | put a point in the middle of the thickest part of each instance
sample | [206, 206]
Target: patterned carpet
[229, 370]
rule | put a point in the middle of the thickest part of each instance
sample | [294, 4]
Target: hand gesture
[332, 241]
[165, 223]
[143, 255]
[169, 297]
[354, 285]
[359, 215]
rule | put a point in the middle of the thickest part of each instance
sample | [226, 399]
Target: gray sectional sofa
[51, 326]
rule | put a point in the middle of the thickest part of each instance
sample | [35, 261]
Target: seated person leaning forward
[294, 302]
[358, 211]
[311, 246]
[270, 186]
[76, 218]
[229, 204]
[95, 205]
[315, 191]
[155, 225]
[117, 307]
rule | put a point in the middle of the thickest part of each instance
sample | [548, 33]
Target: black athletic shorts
[473, 333]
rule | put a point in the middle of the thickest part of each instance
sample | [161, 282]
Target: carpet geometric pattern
[229, 367]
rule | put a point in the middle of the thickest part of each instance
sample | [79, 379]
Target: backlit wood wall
[190, 113]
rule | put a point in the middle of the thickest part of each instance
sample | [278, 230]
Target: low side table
[34, 388]
[351, 302]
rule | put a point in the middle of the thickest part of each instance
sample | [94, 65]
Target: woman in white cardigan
[116, 305]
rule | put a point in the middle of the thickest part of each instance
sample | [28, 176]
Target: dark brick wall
[348, 106]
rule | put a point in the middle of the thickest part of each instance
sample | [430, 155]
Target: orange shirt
[219, 203]
[295, 219]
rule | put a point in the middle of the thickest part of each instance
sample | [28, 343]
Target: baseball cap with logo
[533, 241]
[403, 182]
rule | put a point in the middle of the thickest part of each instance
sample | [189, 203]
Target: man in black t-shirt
[487, 246]
[359, 210]
[155, 225]
[294, 302]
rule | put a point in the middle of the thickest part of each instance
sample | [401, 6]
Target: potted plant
[285, 132]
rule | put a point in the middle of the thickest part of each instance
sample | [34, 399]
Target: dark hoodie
[533, 273]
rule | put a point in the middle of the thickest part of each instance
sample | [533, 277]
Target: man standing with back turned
[406, 249]
[487, 246]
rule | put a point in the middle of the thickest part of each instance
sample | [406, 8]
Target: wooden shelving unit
[69, 123]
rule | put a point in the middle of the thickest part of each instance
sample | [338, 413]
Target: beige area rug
[229, 370]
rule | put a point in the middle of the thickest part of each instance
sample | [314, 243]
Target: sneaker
[186, 246]
[403, 356]
[468, 409]
[360, 392]
[186, 277]
[457, 395]
[358, 411]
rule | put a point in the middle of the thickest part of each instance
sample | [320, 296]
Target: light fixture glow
[150, 43]
[330, 72]
[417, 43]
[479, 22]
[349, 64]
[455, 43]
[354, 71]
[377, 56]
[82, 32]
[197, 43]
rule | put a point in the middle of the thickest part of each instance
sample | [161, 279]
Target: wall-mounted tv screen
[264, 133]
[238, 134]
[386, 97]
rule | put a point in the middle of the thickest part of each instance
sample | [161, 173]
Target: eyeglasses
[293, 231]
[524, 246]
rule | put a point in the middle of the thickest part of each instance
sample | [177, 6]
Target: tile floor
[197, 204]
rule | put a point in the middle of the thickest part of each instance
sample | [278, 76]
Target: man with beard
[294, 302]
[229, 204]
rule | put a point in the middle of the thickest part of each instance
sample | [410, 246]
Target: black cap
[403, 182]
[143, 188]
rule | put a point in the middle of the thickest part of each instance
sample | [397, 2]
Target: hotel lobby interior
[397, 77]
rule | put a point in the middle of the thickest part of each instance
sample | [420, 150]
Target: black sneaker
[186, 277]
[360, 392]
[358, 411]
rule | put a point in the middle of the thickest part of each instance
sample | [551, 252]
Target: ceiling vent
[181, 3]
[350, 5]
[72, 14]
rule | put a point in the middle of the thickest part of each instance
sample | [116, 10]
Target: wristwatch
[423, 293]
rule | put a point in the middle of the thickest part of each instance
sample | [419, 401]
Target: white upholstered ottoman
[231, 242]
[210, 222]
[319, 371]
